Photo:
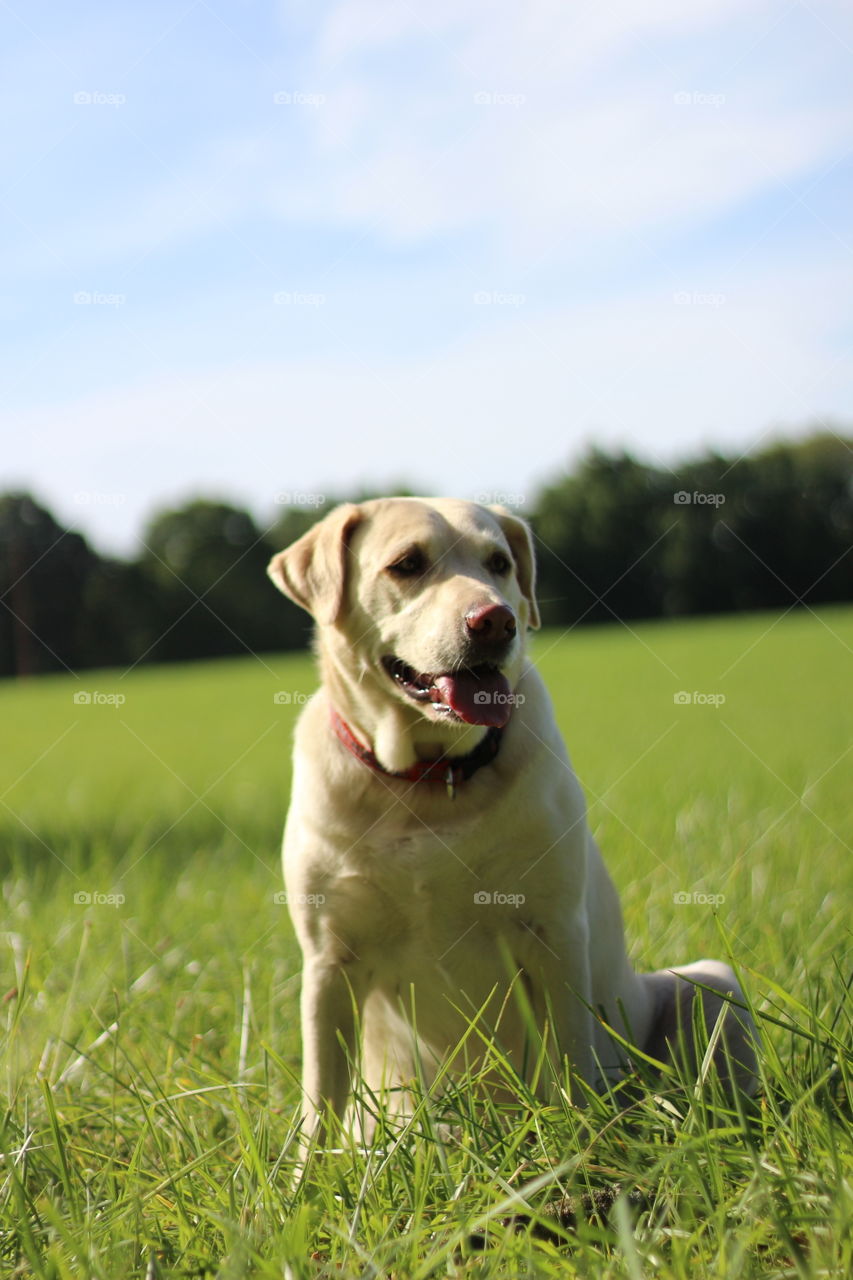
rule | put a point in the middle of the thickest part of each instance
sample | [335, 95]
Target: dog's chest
[416, 870]
[423, 894]
[434, 864]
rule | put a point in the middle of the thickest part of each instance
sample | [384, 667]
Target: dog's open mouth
[475, 695]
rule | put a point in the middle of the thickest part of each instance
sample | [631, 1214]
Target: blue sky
[259, 248]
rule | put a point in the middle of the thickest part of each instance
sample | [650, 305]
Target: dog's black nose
[491, 624]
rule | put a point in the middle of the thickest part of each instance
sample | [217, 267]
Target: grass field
[151, 1048]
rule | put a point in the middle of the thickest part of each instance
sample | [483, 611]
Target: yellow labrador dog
[436, 852]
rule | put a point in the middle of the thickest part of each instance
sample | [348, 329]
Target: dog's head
[432, 597]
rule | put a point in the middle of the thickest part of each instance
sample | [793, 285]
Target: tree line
[617, 538]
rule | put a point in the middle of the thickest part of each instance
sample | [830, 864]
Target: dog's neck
[398, 735]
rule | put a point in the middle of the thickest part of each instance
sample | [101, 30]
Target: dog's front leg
[562, 996]
[328, 1004]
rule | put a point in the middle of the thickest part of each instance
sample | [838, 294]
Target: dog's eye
[498, 564]
[412, 563]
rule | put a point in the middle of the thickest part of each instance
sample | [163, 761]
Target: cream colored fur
[385, 878]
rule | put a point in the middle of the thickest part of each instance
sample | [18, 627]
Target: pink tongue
[477, 699]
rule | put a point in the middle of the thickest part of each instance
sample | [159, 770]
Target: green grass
[151, 1049]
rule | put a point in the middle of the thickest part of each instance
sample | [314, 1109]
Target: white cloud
[588, 122]
[523, 39]
[580, 142]
[501, 411]
[587, 184]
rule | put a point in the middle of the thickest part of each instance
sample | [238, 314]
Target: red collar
[450, 770]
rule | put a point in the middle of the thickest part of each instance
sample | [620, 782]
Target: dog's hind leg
[671, 1033]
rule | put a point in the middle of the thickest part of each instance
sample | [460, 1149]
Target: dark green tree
[600, 534]
[206, 563]
[779, 531]
[44, 569]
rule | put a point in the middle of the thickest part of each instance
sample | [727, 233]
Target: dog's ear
[313, 570]
[520, 539]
